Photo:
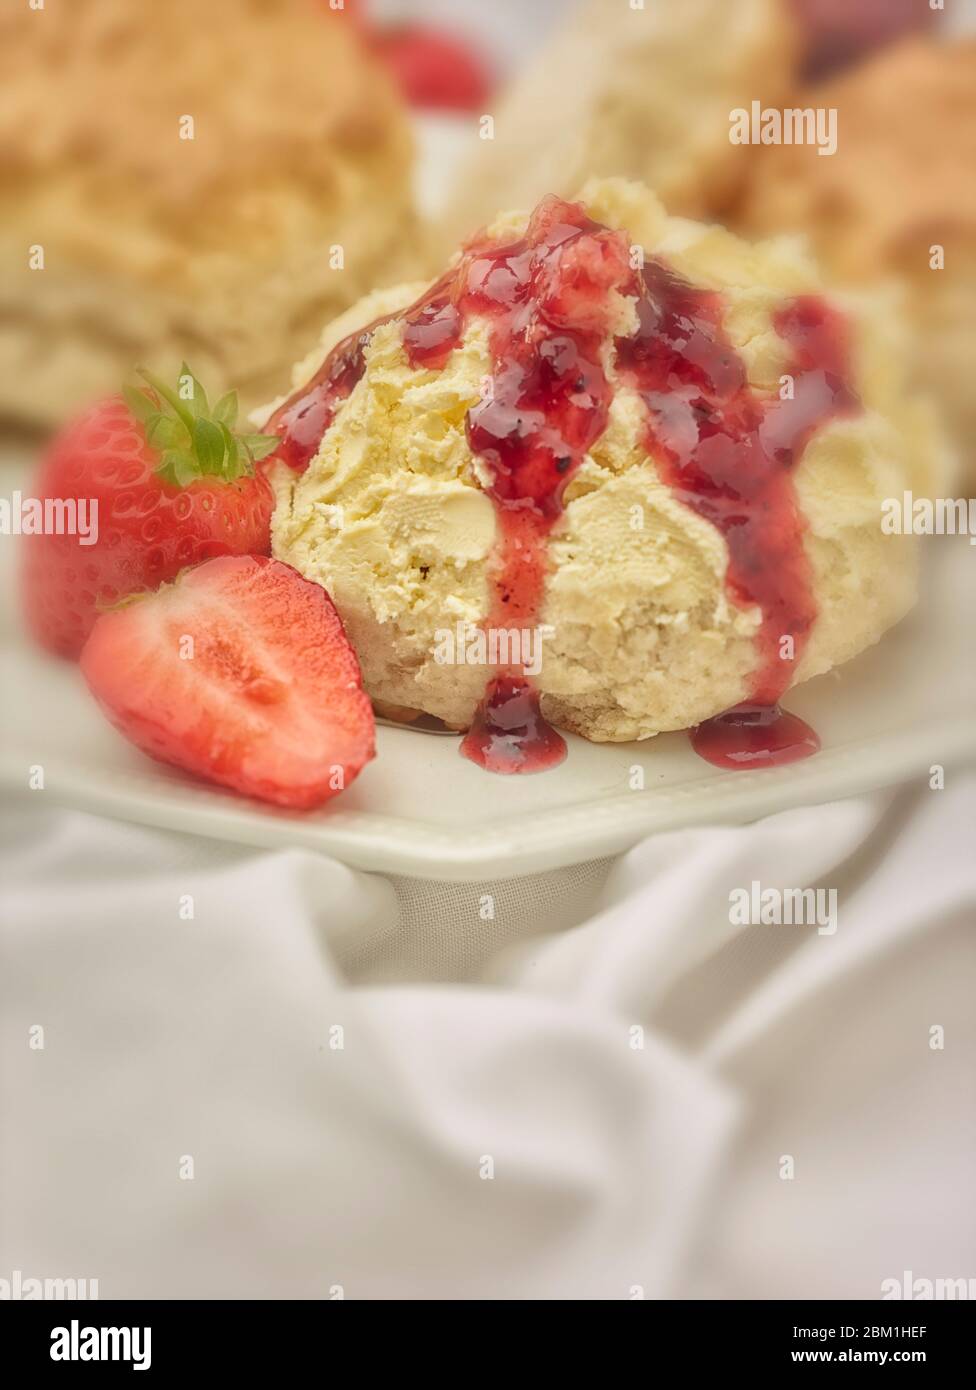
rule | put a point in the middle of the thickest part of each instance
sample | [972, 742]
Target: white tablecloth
[488, 1128]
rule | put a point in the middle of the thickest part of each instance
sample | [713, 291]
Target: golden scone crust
[392, 519]
[899, 184]
[631, 93]
[219, 247]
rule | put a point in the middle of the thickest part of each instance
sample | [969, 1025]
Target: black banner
[169, 1339]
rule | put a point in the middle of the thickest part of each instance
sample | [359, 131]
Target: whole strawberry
[168, 483]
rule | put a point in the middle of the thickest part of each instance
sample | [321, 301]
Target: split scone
[186, 180]
[660, 449]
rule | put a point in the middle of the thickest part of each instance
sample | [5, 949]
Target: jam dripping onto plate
[726, 452]
[729, 455]
[750, 736]
[546, 297]
[509, 733]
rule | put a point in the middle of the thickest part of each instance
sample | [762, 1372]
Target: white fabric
[616, 1170]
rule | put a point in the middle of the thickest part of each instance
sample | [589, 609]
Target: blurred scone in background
[225, 248]
[621, 91]
[220, 248]
[644, 90]
[897, 189]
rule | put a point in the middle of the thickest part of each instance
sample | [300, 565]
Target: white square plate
[421, 809]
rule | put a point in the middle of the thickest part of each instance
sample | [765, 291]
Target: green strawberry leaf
[232, 448]
[197, 400]
[186, 469]
[195, 441]
[166, 472]
[178, 467]
[163, 432]
[171, 397]
[140, 403]
[225, 411]
[208, 442]
[259, 446]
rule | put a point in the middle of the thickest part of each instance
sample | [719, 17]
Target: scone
[836, 33]
[122, 240]
[635, 93]
[656, 448]
[898, 186]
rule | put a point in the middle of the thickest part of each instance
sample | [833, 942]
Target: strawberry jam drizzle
[546, 297]
[726, 452]
[729, 455]
[304, 417]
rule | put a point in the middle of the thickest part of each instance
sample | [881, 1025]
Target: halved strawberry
[240, 672]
